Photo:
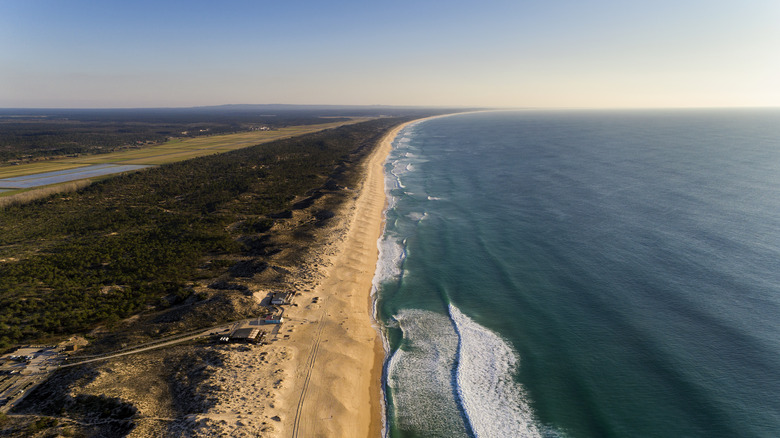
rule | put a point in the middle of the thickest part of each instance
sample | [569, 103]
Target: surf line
[484, 367]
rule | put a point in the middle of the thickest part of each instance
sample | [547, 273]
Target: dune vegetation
[136, 242]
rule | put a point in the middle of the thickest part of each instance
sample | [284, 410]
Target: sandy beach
[320, 374]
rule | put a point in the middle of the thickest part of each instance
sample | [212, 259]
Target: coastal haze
[497, 53]
[410, 219]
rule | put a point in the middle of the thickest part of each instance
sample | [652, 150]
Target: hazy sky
[513, 53]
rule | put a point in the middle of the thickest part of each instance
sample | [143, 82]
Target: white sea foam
[391, 203]
[494, 403]
[391, 257]
[451, 377]
[451, 367]
[417, 217]
[396, 170]
[400, 168]
[392, 182]
[395, 173]
[419, 376]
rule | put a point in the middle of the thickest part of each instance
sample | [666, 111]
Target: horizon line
[379, 106]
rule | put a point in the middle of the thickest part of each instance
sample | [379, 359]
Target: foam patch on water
[417, 217]
[401, 167]
[392, 184]
[393, 177]
[391, 257]
[453, 377]
[419, 376]
[494, 403]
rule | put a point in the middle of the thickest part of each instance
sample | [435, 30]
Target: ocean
[583, 274]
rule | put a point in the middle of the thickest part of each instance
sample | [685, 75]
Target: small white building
[280, 298]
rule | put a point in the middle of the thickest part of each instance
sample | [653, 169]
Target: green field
[39, 167]
[169, 152]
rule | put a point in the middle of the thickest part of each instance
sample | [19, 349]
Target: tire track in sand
[309, 368]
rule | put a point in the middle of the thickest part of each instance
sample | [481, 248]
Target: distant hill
[233, 109]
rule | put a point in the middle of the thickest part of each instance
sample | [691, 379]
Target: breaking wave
[419, 376]
[391, 257]
[495, 405]
[453, 377]
[417, 217]
[449, 376]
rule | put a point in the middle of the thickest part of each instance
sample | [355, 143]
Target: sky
[485, 53]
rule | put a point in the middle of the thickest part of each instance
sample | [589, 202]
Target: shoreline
[338, 390]
[343, 395]
[378, 375]
[321, 373]
[382, 348]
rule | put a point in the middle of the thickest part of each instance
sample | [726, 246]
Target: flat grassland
[39, 167]
[171, 151]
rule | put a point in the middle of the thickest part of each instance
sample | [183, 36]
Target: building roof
[245, 333]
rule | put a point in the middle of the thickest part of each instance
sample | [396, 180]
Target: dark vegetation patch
[323, 215]
[202, 309]
[134, 243]
[225, 285]
[287, 214]
[260, 225]
[307, 202]
[99, 415]
[259, 245]
[33, 134]
[188, 380]
[74, 399]
[248, 268]
[27, 135]
[43, 427]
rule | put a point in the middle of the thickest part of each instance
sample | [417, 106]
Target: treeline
[24, 140]
[132, 242]
[36, 134]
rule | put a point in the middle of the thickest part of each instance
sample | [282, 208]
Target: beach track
[310, 361]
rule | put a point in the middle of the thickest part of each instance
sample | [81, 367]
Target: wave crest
[419, 376]
[495, 405]
[453, 377]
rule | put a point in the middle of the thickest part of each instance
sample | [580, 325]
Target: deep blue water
[584, 274]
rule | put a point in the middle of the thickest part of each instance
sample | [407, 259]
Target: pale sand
[336, 390]
[321, 373]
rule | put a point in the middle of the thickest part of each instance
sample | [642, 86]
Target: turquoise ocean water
[583, 274]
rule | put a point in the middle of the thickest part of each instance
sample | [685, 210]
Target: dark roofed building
[280, 298]
[246, 334]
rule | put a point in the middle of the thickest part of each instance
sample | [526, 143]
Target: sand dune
[320, 374]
